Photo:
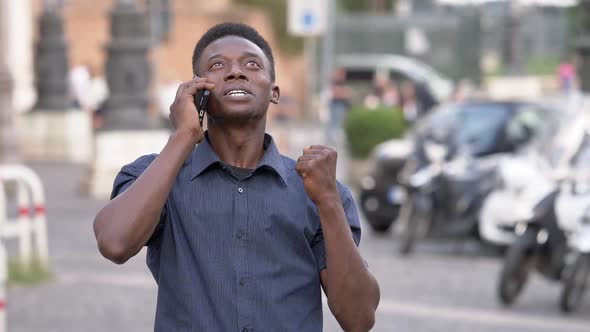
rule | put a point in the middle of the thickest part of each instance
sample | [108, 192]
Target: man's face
[241, 73]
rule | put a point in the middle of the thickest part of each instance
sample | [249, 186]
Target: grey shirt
[231, 255]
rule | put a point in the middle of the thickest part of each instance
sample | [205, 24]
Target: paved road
[441, 288]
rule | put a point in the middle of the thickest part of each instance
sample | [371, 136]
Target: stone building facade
[86, 26]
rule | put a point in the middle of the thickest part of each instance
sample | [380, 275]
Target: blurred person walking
[409, 102]
[239, 237]
[339, 103]
[566, 74]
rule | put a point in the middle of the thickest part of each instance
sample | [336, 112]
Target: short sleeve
[318, 245]
[125, 178]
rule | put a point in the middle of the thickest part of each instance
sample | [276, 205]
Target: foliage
[542, 66]
[17, 274]
[366, 128]
[365, 5]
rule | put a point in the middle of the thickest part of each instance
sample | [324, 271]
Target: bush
[366, 128]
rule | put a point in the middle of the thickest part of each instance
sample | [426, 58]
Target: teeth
[237, 93]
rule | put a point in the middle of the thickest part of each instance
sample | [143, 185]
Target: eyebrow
[246, 54]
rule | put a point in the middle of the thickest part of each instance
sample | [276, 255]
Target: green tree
[378, 6]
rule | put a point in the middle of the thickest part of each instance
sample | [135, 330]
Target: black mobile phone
[201, 98]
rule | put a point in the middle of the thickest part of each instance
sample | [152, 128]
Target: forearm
[353, 293]
[125, 224]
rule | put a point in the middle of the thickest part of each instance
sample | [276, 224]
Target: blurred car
[487, 127]
[363, 70]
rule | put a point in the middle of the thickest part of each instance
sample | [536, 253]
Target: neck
[238, 146]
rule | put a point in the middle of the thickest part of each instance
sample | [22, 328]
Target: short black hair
[233, 29]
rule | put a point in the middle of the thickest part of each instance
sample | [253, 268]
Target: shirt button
[240, 190]
[245, 329]
[240, 235]
[242, 283]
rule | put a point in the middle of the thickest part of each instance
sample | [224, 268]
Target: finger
[320, 147]
[193, 87]
[316, 153]
[307, 157]
[317, 149]
[309, 150]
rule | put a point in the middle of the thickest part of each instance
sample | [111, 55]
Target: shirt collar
[204, 157]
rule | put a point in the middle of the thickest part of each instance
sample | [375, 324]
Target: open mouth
[237, 93]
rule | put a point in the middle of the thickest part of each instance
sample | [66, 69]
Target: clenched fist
[317, 169]
[183, 112]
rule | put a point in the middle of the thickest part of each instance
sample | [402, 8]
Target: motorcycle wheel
[514, 274]
[411, 225]
[575, 284]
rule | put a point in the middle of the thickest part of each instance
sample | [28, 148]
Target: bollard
[24, 226]
[3, 278]
[30, 200]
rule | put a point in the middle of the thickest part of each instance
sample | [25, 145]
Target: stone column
[19, 55]
[127, 69]
[51, 62]
[127, 131]
[54, 129]
[8, 142]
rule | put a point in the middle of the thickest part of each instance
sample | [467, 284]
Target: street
[441, 288]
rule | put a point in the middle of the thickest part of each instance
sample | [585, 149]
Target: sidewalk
[87, 293]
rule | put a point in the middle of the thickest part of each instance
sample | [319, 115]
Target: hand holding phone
[201, 99]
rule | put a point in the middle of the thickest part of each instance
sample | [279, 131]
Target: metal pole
[327, 57]
[310, 46]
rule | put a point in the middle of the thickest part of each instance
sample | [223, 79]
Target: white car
[368, 67]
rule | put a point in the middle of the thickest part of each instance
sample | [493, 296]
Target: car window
[479, 126]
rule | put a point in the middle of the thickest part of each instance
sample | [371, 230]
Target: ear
[275, 94]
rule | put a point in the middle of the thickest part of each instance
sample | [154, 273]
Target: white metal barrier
[30, 225]
[3, 265]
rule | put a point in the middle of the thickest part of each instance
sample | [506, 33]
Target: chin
[237, 115]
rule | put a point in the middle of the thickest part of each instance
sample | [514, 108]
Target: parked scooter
[545, 240]
[573, 215]
[539, 244]
[444, 197]
[524, 180]
[573, 212]
[521, 184]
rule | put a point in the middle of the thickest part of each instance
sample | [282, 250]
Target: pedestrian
[239, 237]
[340, 95]
[566, 74]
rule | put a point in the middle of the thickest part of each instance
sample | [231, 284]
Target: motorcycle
[539, 244]
[553, 239]
[443, 198]
[573, 211]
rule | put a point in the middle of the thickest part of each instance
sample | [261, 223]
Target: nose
[235, 72]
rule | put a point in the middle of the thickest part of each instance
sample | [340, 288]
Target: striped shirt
[231, 255]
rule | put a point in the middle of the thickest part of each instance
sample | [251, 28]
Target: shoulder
[130, 172]
[139, 165]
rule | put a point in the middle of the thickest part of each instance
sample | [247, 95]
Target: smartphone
[201, 98]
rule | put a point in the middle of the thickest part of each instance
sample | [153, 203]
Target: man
[239, 237]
